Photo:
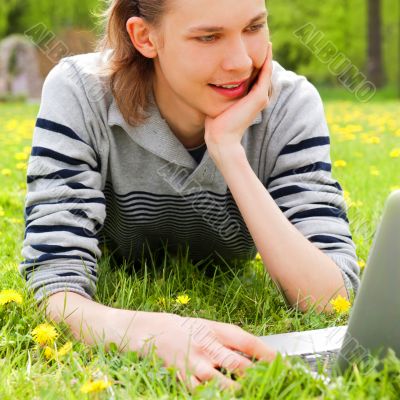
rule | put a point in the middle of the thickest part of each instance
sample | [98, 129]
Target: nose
[236, 57]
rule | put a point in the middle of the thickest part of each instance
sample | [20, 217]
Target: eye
[256, 28]
[209, 38]
[204, 38]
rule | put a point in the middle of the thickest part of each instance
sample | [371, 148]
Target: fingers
[230, 360]
[261, 91]
[270, 53]
[270, 70]
[218, 353]
[266, 73]
[190, 381]
[206, 372]
[255, 346]
[236, 338]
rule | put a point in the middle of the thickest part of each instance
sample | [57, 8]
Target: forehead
[225, 14]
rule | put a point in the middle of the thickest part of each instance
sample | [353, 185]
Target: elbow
[320, 302]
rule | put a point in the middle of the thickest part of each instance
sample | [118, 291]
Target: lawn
[366, 159]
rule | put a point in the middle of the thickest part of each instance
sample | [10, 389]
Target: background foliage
[344, 22]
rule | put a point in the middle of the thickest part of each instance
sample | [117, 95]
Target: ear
[142, 36]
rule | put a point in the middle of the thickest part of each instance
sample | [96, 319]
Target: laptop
[374, 322]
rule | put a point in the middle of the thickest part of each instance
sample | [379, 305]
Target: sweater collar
[156, 136]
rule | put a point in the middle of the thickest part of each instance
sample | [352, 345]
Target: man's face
[192, 59]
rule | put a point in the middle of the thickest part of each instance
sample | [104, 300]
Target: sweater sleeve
[64, 204]
[301, 182]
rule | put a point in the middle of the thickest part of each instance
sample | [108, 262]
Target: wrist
[125, 327]
[131, 329]
[228, 156]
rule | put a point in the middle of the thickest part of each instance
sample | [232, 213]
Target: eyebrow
[221, 28]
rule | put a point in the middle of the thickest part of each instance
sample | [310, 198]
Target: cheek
[259, 52]
[197, 70]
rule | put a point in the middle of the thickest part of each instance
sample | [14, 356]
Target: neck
[188, 129]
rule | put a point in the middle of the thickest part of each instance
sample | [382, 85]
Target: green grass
[337, 93]
[243, 295]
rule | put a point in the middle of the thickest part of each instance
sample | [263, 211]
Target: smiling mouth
[230, 93]
[229, 84]
[248, 82]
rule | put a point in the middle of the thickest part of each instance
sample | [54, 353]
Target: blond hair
[131, 74]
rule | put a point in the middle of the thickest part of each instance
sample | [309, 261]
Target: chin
[216, 111]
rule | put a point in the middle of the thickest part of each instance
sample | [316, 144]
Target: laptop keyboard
[326, 358]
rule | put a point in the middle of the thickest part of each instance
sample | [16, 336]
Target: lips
[231, 93]
[230, 83]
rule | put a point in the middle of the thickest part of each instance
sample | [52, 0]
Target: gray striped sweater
[94, 181]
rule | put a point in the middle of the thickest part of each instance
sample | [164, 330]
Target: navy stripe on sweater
[60, 174]
[318, 166]
[287, 191]
[70, 200]
[84, 232]
[305, 144]
[327, 239]
[47, 257]
[38, 151]
[320, 212]
[58, 128]
[48, 248]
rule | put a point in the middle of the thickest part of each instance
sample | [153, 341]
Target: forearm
[92, 322]
[303, 271]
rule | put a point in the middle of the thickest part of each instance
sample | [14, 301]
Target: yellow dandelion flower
[361, 263]
[8, 296]
[21, 165]
[1, 212]
[372, 140]
[374, 171]
[16, 220]
[65, 349]
[354, 128]
[397, 133]
[6, 172]
[95, 386]
[258, 257]
[348, 137]
[347, 198]
[27, 149]
[339, 163]
[49, 353]
[20, 156]
[11, 125]
[340, 304]
[395, 153]
[183, 299]
[44, 334]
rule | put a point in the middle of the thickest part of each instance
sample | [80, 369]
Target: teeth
[228, 86]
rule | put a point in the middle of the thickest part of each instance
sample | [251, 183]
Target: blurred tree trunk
[398, 50]
[375, 71]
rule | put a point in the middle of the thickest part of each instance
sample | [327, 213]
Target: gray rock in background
[19, 68]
